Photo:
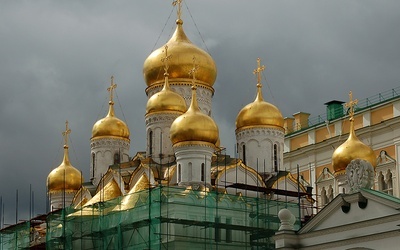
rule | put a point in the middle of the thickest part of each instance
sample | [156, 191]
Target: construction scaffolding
[169, 218]
[15, 237]
[30, 234]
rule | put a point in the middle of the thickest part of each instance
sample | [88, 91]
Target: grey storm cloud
[57, 57]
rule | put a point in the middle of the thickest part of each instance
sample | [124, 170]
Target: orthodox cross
[179, 3]
[351, 105]
[193, 71]
[166, 59]
[258, 70]
[65, 133]
[111, 88]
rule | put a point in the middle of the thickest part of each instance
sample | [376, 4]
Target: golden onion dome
[183, 51]
[194, 125]
[65, 177]
[110, 126]
[259, 113]
[350, 150]
[166, 101]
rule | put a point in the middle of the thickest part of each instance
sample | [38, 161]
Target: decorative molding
[167, 117]
[259, 131]
[155, 87]
[109, 142]
[360, 174]
[194, 144]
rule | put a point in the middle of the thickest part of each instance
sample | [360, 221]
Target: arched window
[276, 158]
[117, 159]
[203, 170]
[244, 153]
[190, 169]
[151, 143]
[179, 173]
[93, 163]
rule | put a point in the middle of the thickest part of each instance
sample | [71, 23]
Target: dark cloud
[56, 59]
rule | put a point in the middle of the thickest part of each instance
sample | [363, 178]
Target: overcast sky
[56, 59]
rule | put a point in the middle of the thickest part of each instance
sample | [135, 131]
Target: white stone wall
[189, 160]
[259, 146]
[160, 143]
[104, 150]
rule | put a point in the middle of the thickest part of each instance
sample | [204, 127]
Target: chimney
[300, 120]
[288, 125]
[334, 110]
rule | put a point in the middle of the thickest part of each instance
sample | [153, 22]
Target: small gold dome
[259, 113]
[166, 100]
[110, 126]
[194, 125]
[350, 150]
[65, 177]
[183, 51]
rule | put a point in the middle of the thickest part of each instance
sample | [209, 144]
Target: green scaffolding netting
[17, 236]
[169, 218]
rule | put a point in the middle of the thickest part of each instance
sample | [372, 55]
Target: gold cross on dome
[351, 105]
[258, 70]
[111, 88]
[193, 71]
[65, 133]
[179, 10]
[166, 59]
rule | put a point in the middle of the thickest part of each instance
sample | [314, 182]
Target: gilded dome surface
[166, 100]
[194, 125]
[350, 150]
[259, 113]
[64, 177]
[183, 51]
[110, 126]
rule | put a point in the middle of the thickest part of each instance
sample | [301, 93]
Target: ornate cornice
[66, 191]
[259, 130]
[161, 117]
[194, 144]
[110, 142]
[179, 82]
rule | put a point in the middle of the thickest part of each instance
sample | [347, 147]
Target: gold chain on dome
[351, 105]
[193, 71]
[65, 134]
[179, 10]
[111, 88]
[258, 71]
[166, 59]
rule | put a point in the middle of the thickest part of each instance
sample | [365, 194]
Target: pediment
[346, 209]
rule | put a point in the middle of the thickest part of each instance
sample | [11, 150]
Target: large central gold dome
[259, 113]
[65, 177]
[183, 51]
[194, 125]
[110, 126]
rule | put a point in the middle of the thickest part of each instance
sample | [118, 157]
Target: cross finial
[179, 10]
[166, 59]
[66, 133]
[258, 71]
[193, 71]
[351, 105]
[111, 88]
